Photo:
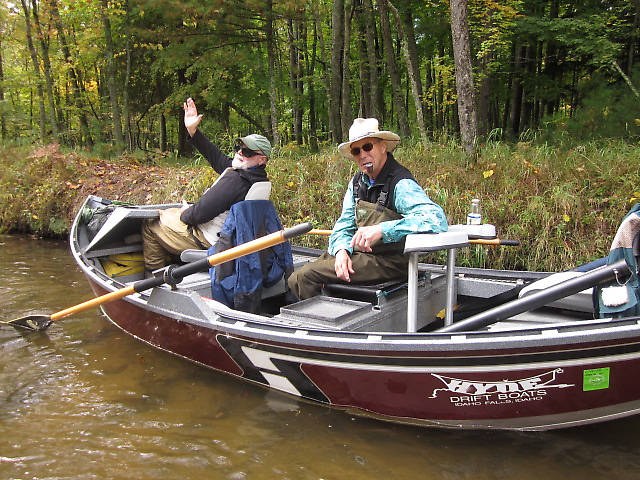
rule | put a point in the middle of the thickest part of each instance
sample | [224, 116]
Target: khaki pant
[166, 238]
[369, 269]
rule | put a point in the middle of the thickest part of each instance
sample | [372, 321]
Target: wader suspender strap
[195, 239]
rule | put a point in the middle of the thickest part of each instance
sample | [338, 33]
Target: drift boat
[530, 354]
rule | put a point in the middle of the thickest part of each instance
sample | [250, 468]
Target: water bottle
[475, 216]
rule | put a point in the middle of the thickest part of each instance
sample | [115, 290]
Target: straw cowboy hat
[368, 128]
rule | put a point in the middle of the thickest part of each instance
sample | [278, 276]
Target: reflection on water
[84, 400]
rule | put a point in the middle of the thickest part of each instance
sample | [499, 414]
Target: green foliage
[562, 204]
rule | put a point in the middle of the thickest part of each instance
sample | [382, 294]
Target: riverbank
[563, 204]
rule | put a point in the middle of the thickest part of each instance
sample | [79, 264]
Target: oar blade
[34, 323]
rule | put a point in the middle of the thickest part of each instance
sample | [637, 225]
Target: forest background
[529, 105]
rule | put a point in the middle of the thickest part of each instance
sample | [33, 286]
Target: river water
[84, 400]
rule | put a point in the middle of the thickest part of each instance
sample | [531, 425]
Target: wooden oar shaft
[94, 302]
[318, 231]
[246, 248]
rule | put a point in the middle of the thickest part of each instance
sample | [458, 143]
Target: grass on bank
[563, 204]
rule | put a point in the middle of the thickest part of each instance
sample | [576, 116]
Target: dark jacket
[231, 188]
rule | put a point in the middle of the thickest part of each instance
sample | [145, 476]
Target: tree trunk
[3, 124]
[125, 100]
[347, 112]
[337, 46]
[369, 24]
[464, 76]
[366, 109]
[326, 79]
[311, 69]
[516, 92]
[76, 87]
[293, 32]
[185, 147]
[111, 76]
[163, 133]
[396, 87]
[409, 49]
[271, 60]
[46, 64]
[36, 70]
[526, 119]
[631, 49]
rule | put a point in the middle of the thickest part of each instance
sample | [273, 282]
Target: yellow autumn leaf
[487, 173]
[290, 184]
[34, 216]
[566, 217]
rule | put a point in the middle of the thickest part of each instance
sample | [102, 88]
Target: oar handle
[494, 241]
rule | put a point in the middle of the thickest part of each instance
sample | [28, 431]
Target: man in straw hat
[383, 204]
[198, 225]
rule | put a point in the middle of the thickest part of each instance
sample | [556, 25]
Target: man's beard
[239, 163]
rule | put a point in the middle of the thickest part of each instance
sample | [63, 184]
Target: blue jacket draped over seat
[239, 283]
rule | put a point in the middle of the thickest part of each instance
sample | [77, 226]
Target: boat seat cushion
[581, 301]
[364, 293]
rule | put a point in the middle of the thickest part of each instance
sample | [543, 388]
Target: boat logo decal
[279, 371]
[479, 392]
[595, 379]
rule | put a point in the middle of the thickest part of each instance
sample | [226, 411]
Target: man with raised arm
[198, 225]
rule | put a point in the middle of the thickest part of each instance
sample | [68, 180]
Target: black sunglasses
[355, 151]
[246, 152]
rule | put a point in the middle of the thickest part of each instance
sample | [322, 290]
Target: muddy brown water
[84, 400]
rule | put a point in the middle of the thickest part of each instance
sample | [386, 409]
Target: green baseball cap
[257, 142]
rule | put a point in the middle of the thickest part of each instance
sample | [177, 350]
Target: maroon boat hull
[511, 385]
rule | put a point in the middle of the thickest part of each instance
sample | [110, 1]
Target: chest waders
[386, 263]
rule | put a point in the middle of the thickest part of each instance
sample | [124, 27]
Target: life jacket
[622, 298]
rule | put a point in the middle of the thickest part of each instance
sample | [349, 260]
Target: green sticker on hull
[595, 379]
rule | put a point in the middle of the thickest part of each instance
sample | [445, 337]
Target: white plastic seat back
[259, 191]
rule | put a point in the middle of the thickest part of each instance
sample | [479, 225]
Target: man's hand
[365, 237]
[191, 117]
[343, 266]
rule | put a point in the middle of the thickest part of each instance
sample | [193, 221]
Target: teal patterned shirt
[419, 215]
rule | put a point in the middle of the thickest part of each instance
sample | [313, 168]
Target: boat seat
[580, 302]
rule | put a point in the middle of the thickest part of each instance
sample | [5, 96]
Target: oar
[172, 276]
[475, 241]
